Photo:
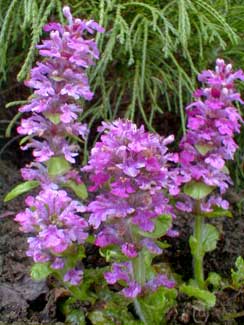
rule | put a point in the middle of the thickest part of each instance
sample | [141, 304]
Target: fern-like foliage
[21, 28]
[151, 50]
[151, 53]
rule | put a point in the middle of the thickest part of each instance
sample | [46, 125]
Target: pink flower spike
[212, 121]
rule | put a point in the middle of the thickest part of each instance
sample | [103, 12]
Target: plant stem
[140, 277]
[139, 311]
[198, 257]
[141, 270]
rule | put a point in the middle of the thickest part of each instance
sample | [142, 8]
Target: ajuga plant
[131, 168]
[212, 121]
[53, 218]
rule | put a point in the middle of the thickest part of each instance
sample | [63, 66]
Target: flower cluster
[54, 218]
[59, 81]
[211, 125]
[131, 167]
[125, 272]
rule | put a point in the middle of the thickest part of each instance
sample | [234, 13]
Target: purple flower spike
[212, 121]
[132, 168]
[54, 218]
[58, 82]
[135, 165]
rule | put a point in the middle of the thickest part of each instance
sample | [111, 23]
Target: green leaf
[40, 271]
[239, 264]
[197, 190]
[81, 253]
[21, 189]
[111, 252]
[142, 266]
[156, 305]
[210, 236]
[57, 166]
[79, 189]
[75, 317]
[112, 311]
[72, 136]
[54, 118]
[238, 275]
[24, 140]
[193, 245]
[218, 212]
[74, 254]
[203, 149]
[208, 298]
[56, 78]
[98, 317]
[83, 292]
[225, 170]
[162, 225]
[112, 317]
[162, 244]
[214, 279]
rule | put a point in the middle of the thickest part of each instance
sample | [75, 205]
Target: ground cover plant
[137, 185]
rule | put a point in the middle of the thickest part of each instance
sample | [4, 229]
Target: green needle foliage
[151, 51]
[21, 24]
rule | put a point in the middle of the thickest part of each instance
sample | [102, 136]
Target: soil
[23, 301]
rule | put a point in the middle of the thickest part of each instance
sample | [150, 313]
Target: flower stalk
[198, 256]
[139, 310]
[139, 271]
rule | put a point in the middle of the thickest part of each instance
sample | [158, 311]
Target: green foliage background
[151, 52]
